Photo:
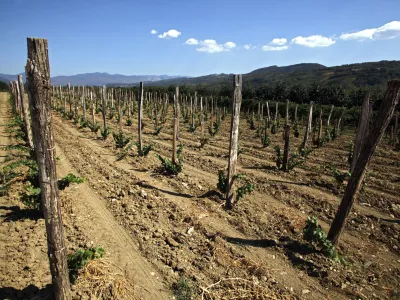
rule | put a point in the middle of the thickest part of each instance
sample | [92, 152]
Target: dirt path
[99, 225]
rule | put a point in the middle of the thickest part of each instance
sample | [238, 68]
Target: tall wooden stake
[368, 148]
[103, 98]
[362, 131]
[286, 150]
[175, 129]
[308, 128]
[140, 116]
[234, 136]
[25, 107]
[38, 78]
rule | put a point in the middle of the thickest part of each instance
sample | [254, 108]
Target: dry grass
[243, 278]
[97, 279]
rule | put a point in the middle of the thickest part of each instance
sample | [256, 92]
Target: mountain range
[95, 79]
[360, 74]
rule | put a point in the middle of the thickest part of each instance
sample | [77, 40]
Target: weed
[314, 234]
[129, 122]
[296, 130]
[221, 185]
[105, 133]
[31, 197]
[339, 176]
[203, 142]
[265, 140]
[183, 289]
[80, 258]
[94, 127]
[279, 157]
[172, 168]
[351, 152]
[70, 178]
[121, 140]
[158, 130]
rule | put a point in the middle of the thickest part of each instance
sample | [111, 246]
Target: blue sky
[197, 37]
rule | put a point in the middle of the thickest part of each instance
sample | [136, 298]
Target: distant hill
[362, 74]
[97, 79]
[4, 80]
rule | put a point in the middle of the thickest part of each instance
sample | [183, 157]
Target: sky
[194, 38]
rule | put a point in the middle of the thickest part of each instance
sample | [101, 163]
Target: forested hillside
[341, 85]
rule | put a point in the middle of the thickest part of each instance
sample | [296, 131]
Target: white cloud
[153, 31]
[229, 45]
[249, 46]
[279, 42]
[387, 31]
[192, 41]
[172, 33]
[211, 46]
[313, 41]
[274, 48]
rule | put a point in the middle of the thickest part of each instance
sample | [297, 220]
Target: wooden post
[362, 131]
[368, 148]
[175, 127]
[84, 102]
[396, 129]
[92, 106]
[76, 114]
[286, 149]
[18, 99]
[103, 98]
[268, 115]
[295, 113]
[201, 117]
[140, 116]
[330, 115]
[38, 79]
[308, 128]
[234, 136]
[25, 107]
[276, 112]
[287, 113]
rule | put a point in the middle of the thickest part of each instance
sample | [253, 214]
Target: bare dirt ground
[24, 268]
[265, 229]
[158, 228]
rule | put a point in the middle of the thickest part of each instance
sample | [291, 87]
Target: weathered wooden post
[92, 106]
[308, 128]
[286, 150]
[362, 131]
[76, 113]
[234, 136]
[69, 98]
[201, 117]
[27, 119]
[268, 115]
[175, 129]
[140, 116]
[287, 113]
[103, 98]
[330, 115]
[368, 148]
[396, 129]
[38, 79]
[319, 140]
[84, 103]
[18, 99]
